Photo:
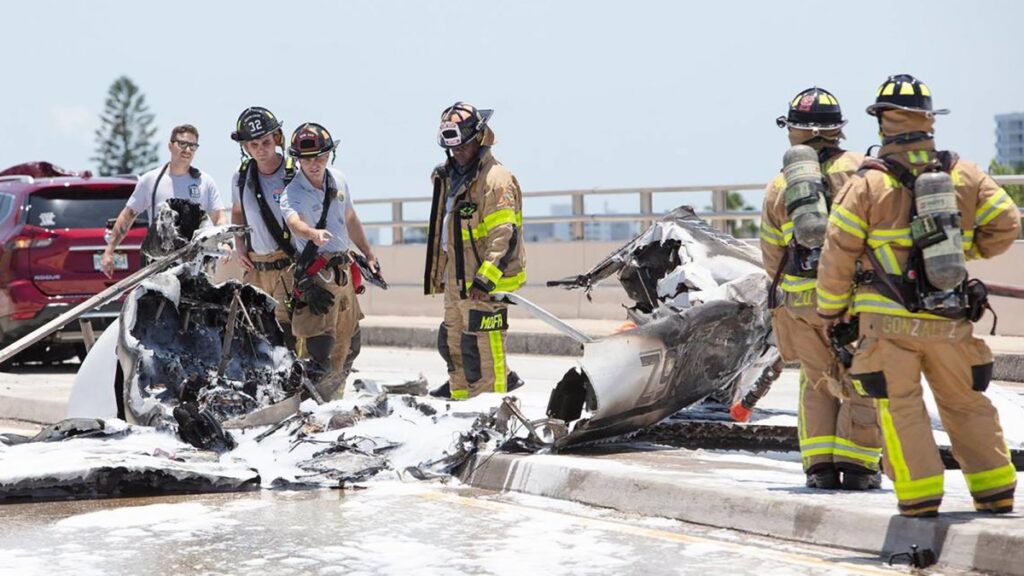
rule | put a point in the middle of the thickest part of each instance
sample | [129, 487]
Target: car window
[72, 207]
[6, 204]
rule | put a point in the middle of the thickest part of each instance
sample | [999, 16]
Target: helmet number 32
[255, 124]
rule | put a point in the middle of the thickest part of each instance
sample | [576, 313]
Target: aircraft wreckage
[193, 390]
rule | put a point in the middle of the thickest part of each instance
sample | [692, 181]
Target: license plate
[120, 261]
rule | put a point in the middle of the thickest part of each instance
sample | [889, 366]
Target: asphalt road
[389, 528]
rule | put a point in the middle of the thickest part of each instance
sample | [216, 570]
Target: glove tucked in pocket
[866, 373]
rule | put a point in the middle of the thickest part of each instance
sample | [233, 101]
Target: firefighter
[897, 241]
[266, 251]
[839, 436]
[474, 247]
[318, 209]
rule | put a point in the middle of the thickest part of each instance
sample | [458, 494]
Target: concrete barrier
[403, 267]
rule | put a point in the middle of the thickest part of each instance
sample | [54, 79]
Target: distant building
[1010, 139]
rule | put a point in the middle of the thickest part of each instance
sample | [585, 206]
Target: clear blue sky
[587, 93]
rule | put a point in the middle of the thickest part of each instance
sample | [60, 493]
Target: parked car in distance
[52, 227]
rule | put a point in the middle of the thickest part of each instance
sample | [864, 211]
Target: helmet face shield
[449, 135]
[461, 123]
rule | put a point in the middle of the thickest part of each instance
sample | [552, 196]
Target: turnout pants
[837, 427]
[341, 323]
[893, 354]
[277, 283]
[472, 342]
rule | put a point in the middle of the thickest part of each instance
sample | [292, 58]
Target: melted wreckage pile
[214, 401]
[193, 390]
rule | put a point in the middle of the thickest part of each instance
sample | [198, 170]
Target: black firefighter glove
[841, 335]
[318, 298]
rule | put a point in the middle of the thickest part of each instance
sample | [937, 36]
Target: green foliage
[740, 228]
[1014, 190]
[124, 140]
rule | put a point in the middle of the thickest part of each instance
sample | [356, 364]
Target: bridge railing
[719, 215]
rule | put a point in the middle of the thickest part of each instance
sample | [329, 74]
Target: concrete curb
[34, 410]
[962, 540]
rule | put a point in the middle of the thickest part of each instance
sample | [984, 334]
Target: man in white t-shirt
[176, 179]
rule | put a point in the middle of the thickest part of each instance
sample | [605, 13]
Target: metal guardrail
[718, 216]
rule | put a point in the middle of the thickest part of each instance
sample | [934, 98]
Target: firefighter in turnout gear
[266, 253]
[839, 436]
[474, 247]
[318, 209]
[897, 240]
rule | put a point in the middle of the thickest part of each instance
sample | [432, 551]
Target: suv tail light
[31, 237]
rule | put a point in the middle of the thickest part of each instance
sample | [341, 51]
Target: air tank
[805, 195]
[937, 229]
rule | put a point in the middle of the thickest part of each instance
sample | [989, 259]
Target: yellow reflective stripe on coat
[897, 236]
[498, 357]
[493, 220]
[906, 488]
[989, 479]
[460, 394]
[888, 259]
[489, 271]
[787, 232]
[848, 222]
[996, 205]
[878, 304]
[830, 301]
[503, 216]
[771, 235]
[505, 284]
[792, 283]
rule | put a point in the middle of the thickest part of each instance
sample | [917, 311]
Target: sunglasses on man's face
[186, 145]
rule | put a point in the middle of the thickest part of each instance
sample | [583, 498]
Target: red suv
[52, 226]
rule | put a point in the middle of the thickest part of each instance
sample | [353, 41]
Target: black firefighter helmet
[813, 109]
[904, 92]
[254, 122]
[311, 140]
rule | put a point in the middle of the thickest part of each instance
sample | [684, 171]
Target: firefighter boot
[861, 480]
[445, 391]
[442, 391]
[823, 477]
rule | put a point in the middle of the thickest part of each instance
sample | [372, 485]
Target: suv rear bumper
[100, 318]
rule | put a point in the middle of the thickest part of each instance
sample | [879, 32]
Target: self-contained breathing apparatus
[935, 279]
[808, 201]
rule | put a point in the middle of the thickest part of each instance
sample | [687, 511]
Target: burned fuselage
[700, 305]
[185, 340]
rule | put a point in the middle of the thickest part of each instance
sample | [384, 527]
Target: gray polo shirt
[300, 197]
[202, 191]
[260, 239]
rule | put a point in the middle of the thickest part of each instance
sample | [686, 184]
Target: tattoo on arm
[122, 226]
